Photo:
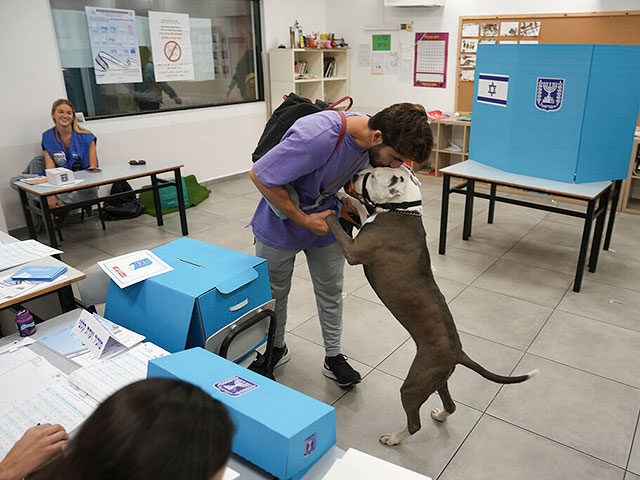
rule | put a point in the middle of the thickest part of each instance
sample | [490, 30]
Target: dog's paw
[389, 439]
[439, 414]
[392, 439]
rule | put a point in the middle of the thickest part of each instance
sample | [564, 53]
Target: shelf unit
[631, 203]
[283, 76]
[446, 132]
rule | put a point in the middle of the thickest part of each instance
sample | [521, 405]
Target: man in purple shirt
[307, 159]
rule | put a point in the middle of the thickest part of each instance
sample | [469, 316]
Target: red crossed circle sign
[172, 51]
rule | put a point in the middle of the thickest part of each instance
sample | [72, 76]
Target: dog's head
[383, 185]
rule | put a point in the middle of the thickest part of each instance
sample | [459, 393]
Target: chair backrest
[36, 165]
[93, 289]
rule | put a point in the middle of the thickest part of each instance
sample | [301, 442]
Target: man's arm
[280, 198]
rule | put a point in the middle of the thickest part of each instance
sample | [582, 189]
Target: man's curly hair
[405, 128]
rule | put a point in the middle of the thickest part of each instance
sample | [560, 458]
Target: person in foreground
[308, 159]
[153, 429]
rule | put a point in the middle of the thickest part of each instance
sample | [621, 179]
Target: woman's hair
[153, 429]
[405, 128]
[64, 101]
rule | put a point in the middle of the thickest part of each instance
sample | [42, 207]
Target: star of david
[492, 89]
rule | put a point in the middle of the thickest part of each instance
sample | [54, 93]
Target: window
[222, 36]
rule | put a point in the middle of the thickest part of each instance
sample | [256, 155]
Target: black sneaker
[280, 356]
[339, 370]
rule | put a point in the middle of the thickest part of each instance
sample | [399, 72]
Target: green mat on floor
[197, 193]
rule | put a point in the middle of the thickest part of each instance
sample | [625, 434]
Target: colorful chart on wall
[430, 66]
[114, 45]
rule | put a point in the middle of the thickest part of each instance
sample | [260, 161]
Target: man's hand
[316, 222]
[38, 446]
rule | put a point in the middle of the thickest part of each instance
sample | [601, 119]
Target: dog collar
[393, 206]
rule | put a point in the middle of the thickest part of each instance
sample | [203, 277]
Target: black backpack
[126, 206]
[293, 108]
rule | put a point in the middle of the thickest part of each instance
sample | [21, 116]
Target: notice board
[607, 28]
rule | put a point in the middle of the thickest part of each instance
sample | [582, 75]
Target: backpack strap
[338, 102]
[344, 176]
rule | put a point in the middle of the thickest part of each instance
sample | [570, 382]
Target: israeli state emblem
[549, 92]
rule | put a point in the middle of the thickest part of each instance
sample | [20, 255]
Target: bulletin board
[608, 28]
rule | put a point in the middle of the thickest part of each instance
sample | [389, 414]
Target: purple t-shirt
[303, 158]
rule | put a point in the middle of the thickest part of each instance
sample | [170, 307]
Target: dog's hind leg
[447, 403]
[420, 383]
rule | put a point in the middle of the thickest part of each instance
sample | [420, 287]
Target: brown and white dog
[392, 248]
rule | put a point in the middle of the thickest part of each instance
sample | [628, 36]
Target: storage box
[59, 176]
[209, 288]
[560, 112]
[278, 429]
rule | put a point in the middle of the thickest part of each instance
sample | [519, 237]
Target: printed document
[132, 268]
[18, 253]
[104, 378]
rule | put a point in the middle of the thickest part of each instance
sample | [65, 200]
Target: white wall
[216, 142]
[373, 92]
[210, 142]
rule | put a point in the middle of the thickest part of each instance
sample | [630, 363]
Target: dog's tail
[467, 362]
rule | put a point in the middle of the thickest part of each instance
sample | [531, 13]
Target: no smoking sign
[172, 51]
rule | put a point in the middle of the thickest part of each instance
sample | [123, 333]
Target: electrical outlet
[406, 26]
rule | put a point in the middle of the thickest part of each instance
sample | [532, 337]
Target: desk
[591, 193]
[108, 175]
[61, 285]
[246, 470]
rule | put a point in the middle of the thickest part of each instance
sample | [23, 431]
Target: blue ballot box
[278, 429]
[209, 288]
[560, 112]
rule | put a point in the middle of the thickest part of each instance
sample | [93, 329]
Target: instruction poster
[430, 66]
[171, 46]
[114, 45]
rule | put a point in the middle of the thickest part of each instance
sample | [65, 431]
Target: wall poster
[114, 45]
[171, 46]
[430, 66]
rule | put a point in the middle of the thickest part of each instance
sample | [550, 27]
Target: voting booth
[209, 288]
[560, 112]
[278, 429]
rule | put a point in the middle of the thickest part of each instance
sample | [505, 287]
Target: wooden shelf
[628, 203]
[446, 132]
[282, 75]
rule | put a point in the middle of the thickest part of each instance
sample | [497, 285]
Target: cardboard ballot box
[560, 112]
[278, 429]
[59, 176]
[209, 288]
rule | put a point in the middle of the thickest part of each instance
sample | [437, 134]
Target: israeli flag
[493, 89]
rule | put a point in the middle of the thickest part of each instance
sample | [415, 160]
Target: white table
[108, 175]
[592, 193]
[61, 285]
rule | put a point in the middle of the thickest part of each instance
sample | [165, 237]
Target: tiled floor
[510, 290]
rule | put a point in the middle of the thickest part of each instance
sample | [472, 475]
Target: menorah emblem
[549, 88]
[549, 93]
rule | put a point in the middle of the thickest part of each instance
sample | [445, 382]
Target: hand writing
[38, 446]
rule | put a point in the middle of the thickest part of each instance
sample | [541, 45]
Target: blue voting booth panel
[278, 429]
[561, 112]
[209, 288]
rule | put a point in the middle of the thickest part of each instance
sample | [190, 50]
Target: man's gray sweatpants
[326, 266]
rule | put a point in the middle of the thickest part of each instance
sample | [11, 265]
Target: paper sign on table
[134, 267]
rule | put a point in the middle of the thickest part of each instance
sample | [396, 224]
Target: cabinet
[451, 144]
[313, 84]
[631, 186]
